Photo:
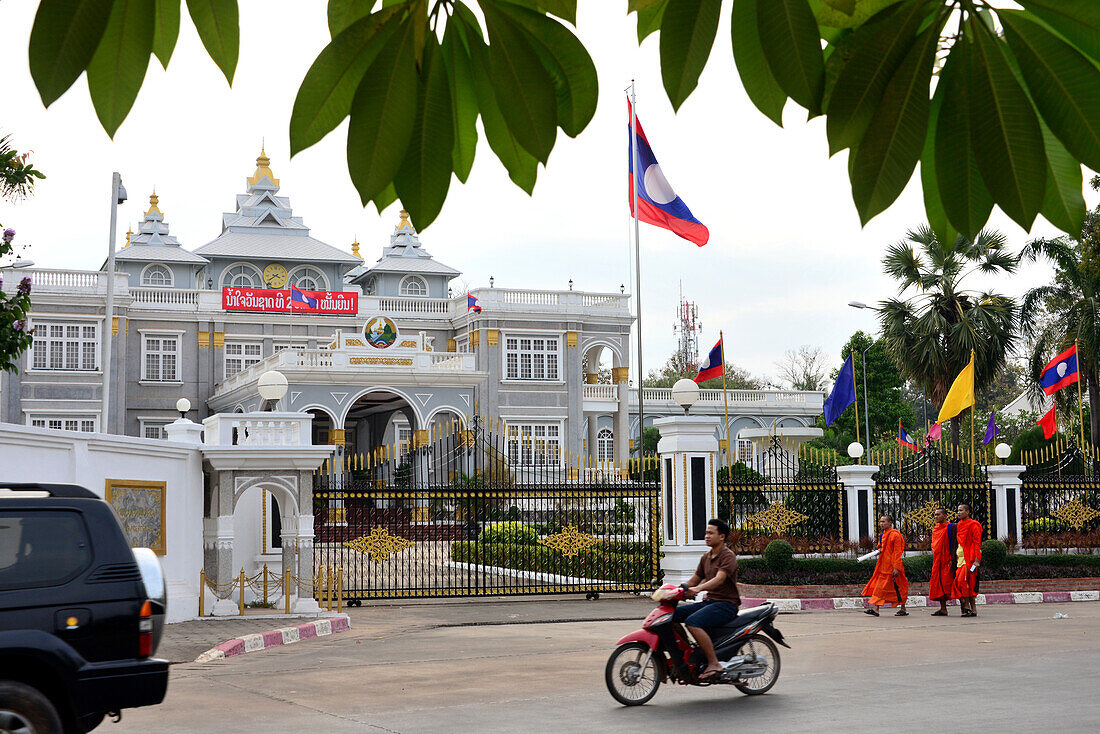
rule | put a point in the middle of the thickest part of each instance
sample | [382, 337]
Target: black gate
[911, 488]
[1060, 499]
[475, 512]
[784, 491]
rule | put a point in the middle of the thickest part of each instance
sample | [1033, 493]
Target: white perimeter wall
[89, 459]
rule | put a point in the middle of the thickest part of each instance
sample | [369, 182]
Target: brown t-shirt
[708, 568]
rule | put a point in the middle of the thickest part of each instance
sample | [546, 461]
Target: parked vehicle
[662, 651]
[81, 612]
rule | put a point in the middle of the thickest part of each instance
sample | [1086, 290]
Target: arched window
[605, 445]
[414, 285]
[308, 278]
[156, 275]
[241, 275]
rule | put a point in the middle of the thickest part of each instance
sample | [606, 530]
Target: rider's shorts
[706, 614]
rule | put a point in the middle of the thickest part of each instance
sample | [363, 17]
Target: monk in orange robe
[888, 585]
[941, 585]
[969, 556]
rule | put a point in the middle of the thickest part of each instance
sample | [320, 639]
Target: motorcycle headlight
[663, 619]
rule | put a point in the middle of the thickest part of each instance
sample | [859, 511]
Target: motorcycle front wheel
[762, 647]
[628, 681]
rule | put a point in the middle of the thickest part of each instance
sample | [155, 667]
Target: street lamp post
[863, 357]
[118, 195]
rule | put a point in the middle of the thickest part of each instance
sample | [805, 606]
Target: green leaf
[634, 6]
[564, 9]
[687, 35]
[649, 19]
[383, 112]
[463, 101]
[884, 161]
[752, 67]
[933, 201]
[425, 175]
[1004, 131]
[1063, 203]
[167, 30]
[63, 40]
[876, 55]
[792, 47]
[118, 67]
[522, 167]
[342, 13]
[218, 24]
[966, 200]
[523, 87]
[385, 197]
[576, 85]
[1063, 83]
[324, 99]
[848, 7]
[1077, 20]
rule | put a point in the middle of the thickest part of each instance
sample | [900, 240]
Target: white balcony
[659, 400]
[257, 429]
[46, 281]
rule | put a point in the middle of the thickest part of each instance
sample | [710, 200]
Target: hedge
[607, 561]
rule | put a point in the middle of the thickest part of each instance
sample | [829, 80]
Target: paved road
[1012, 669]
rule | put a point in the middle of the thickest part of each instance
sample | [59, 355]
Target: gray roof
[275, 246]
[400, 264]
[159, 253]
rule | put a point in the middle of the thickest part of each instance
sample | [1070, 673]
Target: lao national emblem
[380, 332]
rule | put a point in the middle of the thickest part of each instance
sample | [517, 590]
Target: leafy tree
[736, 377]
[931, 334]
[415, 75]
[804, 368]
[17, 179]
[1072, 302]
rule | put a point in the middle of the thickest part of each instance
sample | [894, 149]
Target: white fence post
[1005, 479]
[859, 487]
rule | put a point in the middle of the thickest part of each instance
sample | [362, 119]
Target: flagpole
[635, 162]
[1080, 397]
[855, 393]
[725, 403]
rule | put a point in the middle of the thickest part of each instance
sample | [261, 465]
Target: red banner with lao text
[286, 301]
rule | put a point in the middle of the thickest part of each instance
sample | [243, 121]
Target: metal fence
[1060, 498]
[473, 511]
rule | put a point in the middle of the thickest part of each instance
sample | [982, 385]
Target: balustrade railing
[166, 296]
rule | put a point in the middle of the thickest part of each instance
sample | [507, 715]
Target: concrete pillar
[1005, 479]
[622, 419]
[218, 546]
[184, 431]
[593, 433]
[859, 499]
[689, 456]
[304, 603]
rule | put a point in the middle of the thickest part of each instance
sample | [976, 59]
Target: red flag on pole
[1048, 424]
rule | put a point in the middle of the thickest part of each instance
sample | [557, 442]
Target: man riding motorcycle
[716, 574]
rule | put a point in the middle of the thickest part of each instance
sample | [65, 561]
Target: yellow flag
[961, 395]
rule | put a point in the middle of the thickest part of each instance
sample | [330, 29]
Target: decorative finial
[405, 223]
[355, 248]
[263, 168]
[129, 231]
[154, 201]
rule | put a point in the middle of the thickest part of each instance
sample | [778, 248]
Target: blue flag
[843, 394]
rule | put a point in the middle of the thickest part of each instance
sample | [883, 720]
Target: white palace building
[375, 352]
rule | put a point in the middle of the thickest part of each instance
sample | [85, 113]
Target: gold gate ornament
[926, 515]
[569, 541]
[1075, 513]
[379, 544]
[778, 517]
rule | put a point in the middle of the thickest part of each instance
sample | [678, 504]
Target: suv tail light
[145, 630]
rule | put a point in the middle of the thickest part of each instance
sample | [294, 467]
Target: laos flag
[906, 440]
[713, 365]
[1060, 371]
[658, 203]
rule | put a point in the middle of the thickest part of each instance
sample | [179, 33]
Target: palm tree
[932, 332]
[1053, 316]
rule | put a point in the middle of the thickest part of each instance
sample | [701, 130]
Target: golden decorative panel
[406, 362]
[778, 518]
[620, 375]
[410, 343]
[114, 326]
[492, 336]
[570, 338]
[140, 507]
[452, 345]
[569, 542]
[379, 544]
[1075, 513]
[337, 514]
[355, 342]
[420, 438]
[337, 436]
[475, 338]
[204, 339]
[924, 516]
[219, 340]
[592, 378]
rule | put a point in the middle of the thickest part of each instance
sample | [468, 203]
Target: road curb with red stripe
[857, 602]
[276, 638]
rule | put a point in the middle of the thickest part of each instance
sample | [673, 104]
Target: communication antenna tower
[688, 327]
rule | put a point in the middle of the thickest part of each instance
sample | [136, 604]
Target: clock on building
[275, 276]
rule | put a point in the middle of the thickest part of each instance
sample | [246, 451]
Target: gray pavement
[400, 669]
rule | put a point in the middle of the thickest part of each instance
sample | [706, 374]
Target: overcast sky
[786, 252]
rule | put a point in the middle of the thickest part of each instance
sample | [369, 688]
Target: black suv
[80, 612]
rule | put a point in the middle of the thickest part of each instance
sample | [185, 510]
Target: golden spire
[355, 248]
[129, 231]
[153, 201]
[263, 168]
[405, 223]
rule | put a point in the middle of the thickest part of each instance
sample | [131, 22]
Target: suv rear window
[41, 548]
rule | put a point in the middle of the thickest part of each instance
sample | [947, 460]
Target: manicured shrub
[514, 533]
[778, 555]
[599, 562]
[994, 553]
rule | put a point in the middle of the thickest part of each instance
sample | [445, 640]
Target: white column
[859, 490]
[689, 491]
[1005, 479]
[184, 431]
[622, 425]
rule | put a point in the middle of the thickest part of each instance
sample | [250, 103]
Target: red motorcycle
[662, 650]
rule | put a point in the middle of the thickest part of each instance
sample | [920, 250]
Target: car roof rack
[55, 490]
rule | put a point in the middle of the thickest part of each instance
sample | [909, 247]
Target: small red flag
[1048, 424]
